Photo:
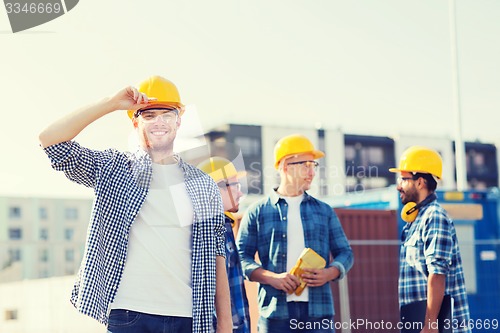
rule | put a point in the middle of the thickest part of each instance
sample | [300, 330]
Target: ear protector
[410, 210]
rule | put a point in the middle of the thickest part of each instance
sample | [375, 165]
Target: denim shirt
[239, 303]
[264, 230]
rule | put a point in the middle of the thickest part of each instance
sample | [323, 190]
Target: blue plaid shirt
[430, 245]
[239, 302]
[264, 230]
[121, 183]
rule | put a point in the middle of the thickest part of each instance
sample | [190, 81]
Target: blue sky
[378, 67]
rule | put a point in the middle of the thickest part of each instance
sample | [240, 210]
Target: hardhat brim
[317, 154]
[396, 170]
[158, 104]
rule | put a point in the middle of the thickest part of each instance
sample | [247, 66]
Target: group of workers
[161, 255]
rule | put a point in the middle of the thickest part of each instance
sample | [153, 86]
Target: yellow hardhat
[293, 145]
[420, 159]
[220, 169]
[163, 90]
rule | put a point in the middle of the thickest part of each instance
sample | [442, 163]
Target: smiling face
[157, 130]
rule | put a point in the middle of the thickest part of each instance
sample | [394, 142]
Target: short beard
[409, 197]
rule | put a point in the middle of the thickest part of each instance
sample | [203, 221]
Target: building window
[353, 184]
[477, 184]
[375, 155]
[15, 233]
[14, 255]
[42, 213]
[349, 153]
[68, 234]
[44, 255]
[481, 165]
[71, 213]
[44, 234]
[11, 315]
[367, 162]
[249, 146]
[15, 212]
[375, 182]
[69, 255]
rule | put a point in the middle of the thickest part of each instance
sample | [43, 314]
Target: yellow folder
[307, 259]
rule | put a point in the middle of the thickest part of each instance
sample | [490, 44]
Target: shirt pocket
[411, 251]
[413, 256]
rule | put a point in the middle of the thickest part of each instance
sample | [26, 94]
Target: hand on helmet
[130, 98]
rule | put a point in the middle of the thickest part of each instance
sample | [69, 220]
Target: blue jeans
[298, 322]
[125, 321]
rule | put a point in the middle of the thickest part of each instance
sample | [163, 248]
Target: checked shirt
[121, 183]
[264, 230]
[430, 245]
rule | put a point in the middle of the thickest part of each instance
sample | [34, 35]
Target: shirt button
[284, 218]
[284, 235]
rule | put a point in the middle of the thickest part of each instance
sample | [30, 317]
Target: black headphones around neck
[410, 210]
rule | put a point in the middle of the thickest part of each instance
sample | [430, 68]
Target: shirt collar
[275, 196]
[142, 164]
[141, 154]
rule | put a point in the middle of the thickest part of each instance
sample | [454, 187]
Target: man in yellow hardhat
[278, 228]
[154, 259]
[224, 173]
[430, 264]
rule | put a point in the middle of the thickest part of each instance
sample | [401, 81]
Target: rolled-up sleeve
[339, 247]
[438, 243]
[220, 228]
[77, 163]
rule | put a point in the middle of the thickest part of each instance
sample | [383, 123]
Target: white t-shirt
[295, 241]
[157, 273]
